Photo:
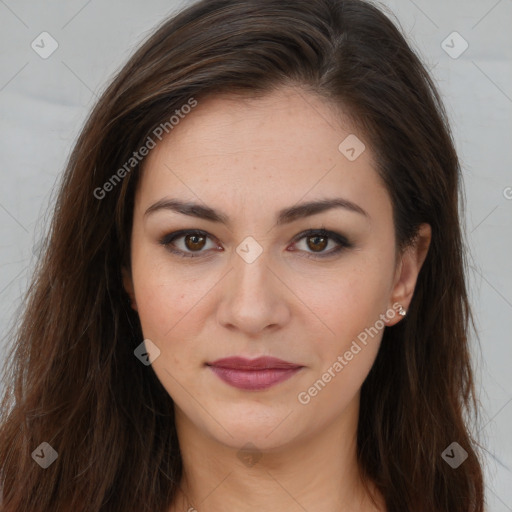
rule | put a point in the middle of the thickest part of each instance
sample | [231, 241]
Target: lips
[261, 363]
[253, 374]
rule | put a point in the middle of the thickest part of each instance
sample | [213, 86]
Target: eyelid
[342, 241]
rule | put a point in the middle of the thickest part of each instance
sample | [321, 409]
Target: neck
[318, 473]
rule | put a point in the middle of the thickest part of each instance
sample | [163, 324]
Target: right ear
[128, 286]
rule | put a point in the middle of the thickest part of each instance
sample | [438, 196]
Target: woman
[253, 295]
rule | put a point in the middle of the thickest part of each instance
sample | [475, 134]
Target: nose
[254, 298]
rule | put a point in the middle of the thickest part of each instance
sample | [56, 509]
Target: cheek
[167, 295]
[169, 316]
[349, 304]
[349, 300]
[344, 356]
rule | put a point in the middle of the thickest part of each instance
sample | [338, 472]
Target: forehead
[289, 119]
[278, 148]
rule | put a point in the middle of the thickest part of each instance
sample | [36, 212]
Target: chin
[264, 427]
[253, 438]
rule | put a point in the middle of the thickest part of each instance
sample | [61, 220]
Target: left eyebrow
[284, 216]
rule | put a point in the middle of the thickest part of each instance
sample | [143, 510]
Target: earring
[402, 311]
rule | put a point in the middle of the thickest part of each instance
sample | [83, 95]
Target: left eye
[319, 239]
[193, 241]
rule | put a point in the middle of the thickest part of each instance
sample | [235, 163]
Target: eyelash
[167, 240]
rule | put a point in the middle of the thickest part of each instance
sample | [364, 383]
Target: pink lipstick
[253, 374]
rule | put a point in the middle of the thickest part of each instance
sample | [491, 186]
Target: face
[248, 272]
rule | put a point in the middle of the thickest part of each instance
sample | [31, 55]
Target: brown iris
[195, 242]
[319, 242]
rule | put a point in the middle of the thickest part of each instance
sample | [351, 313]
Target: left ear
[408, 269]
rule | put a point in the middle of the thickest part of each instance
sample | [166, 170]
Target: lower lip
[253, 379]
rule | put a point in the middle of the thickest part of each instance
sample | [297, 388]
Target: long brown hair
[72, 379]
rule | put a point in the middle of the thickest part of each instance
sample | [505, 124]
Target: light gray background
[43, 103]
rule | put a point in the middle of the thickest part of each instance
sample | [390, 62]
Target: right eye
[193, 241]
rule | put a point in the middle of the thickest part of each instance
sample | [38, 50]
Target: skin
[249, 158]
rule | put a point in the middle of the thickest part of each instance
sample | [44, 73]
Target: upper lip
[260, 363]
